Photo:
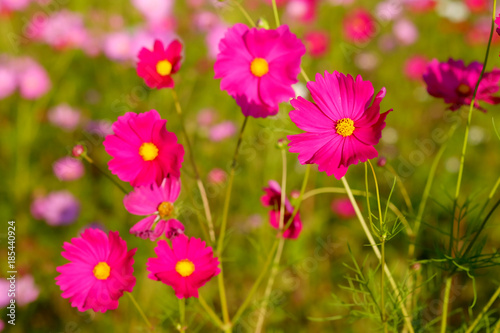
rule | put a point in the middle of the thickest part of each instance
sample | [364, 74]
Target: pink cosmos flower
[158, 203]
[301, 10]
[206, 117]
[272, 198]
[34, 81]
[343, 208]
[405, 31]
[65, 117]
[143, 150]
[101, 127]
[258, 67]
[57, 208]
[317, 43]
[186, 267]
[213, 38]
[68, 168]
[156, 66]
[455, 83]
[217, 176]
[222, 131]
[154, 10]
[477, 6]
[420, 6]
[100, 269]
[14, 5]
[117, 46]
[64, 29]
[415, 67]
[359, 26]
[8, 80]
[341, 126]
[26, 291]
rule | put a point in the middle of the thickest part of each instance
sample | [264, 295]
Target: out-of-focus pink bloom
[8, 80]
[341, 2]
[479, 33]
[405, 31]
[366, 61]
[63, 29]
[278, 2]
[415, 67]
[343, 208]
[359, 26]
[206, 117]
[455, 83]
[213, 38]
[217, 176]
[26, 291]
[68, 169]
[118, 46]
[13, 5]
[205, 20]
[222, 131]
[34, 80]
[420, 6]
[154, 10]
[146, 38]
[57, 208]
[102, 128]
[388, 10]
[477, 6]
[387, 43]
[302, 10]
[317, 43]
[64, 116]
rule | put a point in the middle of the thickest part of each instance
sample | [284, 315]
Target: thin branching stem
[483, 311]
[210, 312]
[446, 301]
[139, 309]
[104, 173]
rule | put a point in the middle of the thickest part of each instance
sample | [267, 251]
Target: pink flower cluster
[24, 74]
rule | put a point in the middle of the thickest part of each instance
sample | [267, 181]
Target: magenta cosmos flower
[341, 126]
[68, 168]
[272, 198]
[156, 66]
[258, 67]
[186, 267]
[157, 202]
[99, 270]
[359, 26]
[455, 83]
[143, 150]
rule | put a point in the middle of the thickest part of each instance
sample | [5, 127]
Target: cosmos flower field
[249, 166]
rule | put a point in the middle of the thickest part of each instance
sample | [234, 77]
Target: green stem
[91, 161]
[300, 198]
[256, 284]
[402, 188]
[182, 315]
[244, 12]
[201, 187]
[483, 312]
[446, 300]
[210, 312]
[379, 256]
[150, 327]
[276, 15]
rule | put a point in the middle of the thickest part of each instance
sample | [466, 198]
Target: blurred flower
[118, 46]
[382, 161]
[272, 198]
[78, 150]
[14, 5]
[367, 61]
[158, 203]
[341, 128]
[479, 33]
[405, 31]
[317, 43]
[301, 10]
[102, 128]
[186, 266]
[205, 20]
[359, 26]
[343, 208]
[63, 29]
[477, 6]
[388, 10]
[26, 291]
[64, 116]
[455, 11]
[57, 208]
[217, 176]
[68, 168]
[206, 117]
[387, 43]
[154, 11]
[34, 80]
[8, 80]
[143, 150]
[213, 38]
[222, 131]
[415, 67]
[157, 66]
[455, 83]
[420, 5]
[100, 269]
[258, 67]
[341, 2]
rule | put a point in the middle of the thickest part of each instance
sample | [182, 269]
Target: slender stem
[182, 315]
[210, 312]
[378, 196]
[379, 256]
[256, 284]
[244, 12]
[91, 161]
[220, 244]
[446, 300]
[132, 298]
[276, 15]
[402, 188]
[277, 258]
[300, 199]
[201, 188]
[304, 75]
[483, 312]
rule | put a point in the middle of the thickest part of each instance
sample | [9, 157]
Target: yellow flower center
[345, 127]
[463, 89]
[148, 151]
[164, 67]
[101, 271]
[184, 267]
[259, 67]
[165, 209]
